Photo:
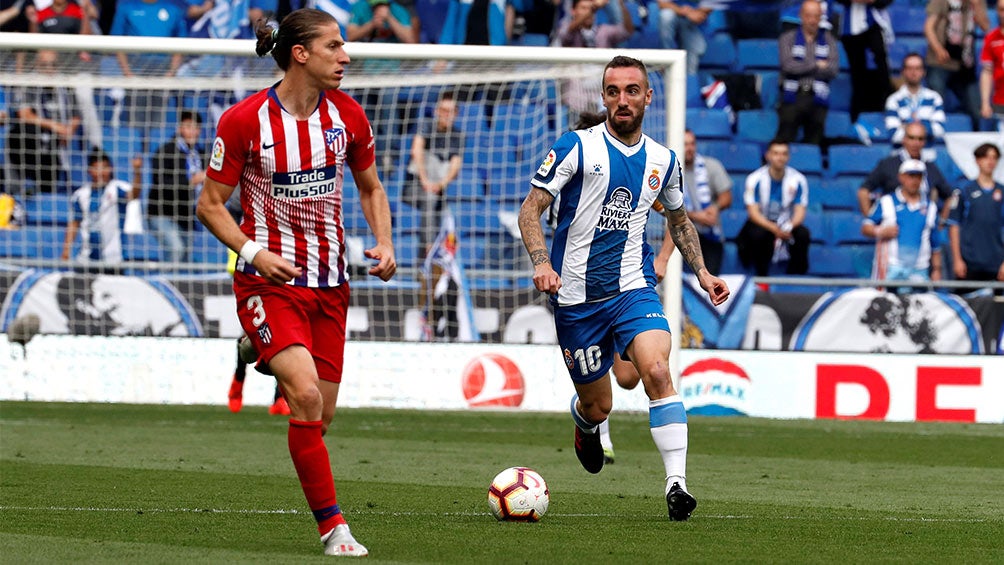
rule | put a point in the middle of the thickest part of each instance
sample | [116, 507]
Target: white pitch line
[393, 513]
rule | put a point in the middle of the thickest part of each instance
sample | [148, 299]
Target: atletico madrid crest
[334, 138]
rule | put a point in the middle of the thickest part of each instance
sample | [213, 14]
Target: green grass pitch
[105, 483]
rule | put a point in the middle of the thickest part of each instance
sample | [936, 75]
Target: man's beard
[625, 129]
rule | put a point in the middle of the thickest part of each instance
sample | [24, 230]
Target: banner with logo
[851, 320]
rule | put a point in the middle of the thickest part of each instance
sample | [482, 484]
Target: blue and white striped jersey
[605, 190]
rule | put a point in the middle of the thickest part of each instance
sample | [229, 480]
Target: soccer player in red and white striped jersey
[286, 147]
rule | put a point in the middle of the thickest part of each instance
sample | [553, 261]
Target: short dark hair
[189, 115]
[622, 61]
[913, 54]
[985, 148]
[777, 141]
[96, 155]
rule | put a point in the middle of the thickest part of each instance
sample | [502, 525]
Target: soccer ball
[518, 494]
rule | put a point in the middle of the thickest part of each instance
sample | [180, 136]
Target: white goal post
[536, 75]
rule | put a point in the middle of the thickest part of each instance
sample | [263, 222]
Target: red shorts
[277, 316]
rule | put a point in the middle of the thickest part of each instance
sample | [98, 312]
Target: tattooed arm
[544, 276]
[685, 237]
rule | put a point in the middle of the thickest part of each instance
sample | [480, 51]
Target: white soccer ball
[518, 494]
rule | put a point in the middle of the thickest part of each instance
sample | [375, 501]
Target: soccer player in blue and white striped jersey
[600, 272]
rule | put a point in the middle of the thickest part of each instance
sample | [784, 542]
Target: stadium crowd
[857, 77]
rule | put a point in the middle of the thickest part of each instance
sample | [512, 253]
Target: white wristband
[249, 250]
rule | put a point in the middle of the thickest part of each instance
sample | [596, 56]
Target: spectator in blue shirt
[976, 223]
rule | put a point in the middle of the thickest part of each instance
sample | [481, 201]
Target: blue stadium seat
[907, 20]
[736, 156]
[862, 256]
[769, 88]
[840, 93]
[855, 159]
[207, 249]
[407, 221]
[471, 252]
[757, 55]
[733, 219]
[730, 260]
[831, 261]
[708, 123]
[815, 222]
[806, 158]
[535, 40]
[471, 118]
[644, 38]
[46, 209]
[142, 247]
[836, 194]
[838, 124]
[694, 99]
[14, 244]
[958, 123]
[845, 227]
[757, 125]
[406, 251]
[471, 184]
[875, 123]
[720, 54]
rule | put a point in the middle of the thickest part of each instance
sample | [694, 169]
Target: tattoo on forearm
[686, 240]
[539, 257]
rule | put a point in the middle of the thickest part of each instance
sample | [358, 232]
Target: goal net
[106, 263]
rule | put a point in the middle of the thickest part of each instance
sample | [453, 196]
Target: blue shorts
[589, 334]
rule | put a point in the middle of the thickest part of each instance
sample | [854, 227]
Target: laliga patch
[545, 167]
[219, 150]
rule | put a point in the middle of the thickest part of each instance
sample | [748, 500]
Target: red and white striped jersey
[290, 175]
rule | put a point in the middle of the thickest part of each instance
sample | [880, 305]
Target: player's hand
[545, 279]
[274, 268]
[718, 291]
[386, 264]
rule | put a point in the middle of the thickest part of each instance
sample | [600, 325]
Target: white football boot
[339, 541]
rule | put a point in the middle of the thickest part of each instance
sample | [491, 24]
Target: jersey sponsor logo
[335, 139]
[304, 184]
[616, 212]
[653, 180]
[219, 150]
[545, 166]
[266, 146]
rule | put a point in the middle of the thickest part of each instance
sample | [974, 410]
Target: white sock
[668, 423]
[605, 435]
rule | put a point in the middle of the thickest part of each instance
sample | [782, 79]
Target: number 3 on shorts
[255, 304]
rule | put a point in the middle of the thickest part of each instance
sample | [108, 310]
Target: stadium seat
[471, 252]
[806, 158]
[142, 247]
[769, 88]
[708, 123]
[838, 124]
[471, 118]
[958, 123]
[694, 99]
[815, 222]
[840, 93]
[471, 184]
[736, 156]
[845, 227]
[831, 261]
[757, 125]
[46, 209]
[207, 249]
[733, 219]
[836, 194]
[720, 54]
[855, 159]
[862, 257]
[535, 40]
[730, 260]
[757, 55]
[875, 124]
[406, 251]
[907, 20]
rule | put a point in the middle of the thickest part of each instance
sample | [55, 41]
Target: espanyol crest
[334, 138]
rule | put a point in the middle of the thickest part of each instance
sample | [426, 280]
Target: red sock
[310, 457]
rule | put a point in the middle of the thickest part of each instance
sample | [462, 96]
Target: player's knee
[658, 383]
[304, 402]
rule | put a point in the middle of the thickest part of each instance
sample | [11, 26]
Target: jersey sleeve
[671, 195]
[561, 162]
[361, 152]
[231, 147]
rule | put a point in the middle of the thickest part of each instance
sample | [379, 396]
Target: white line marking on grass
[467, 514]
